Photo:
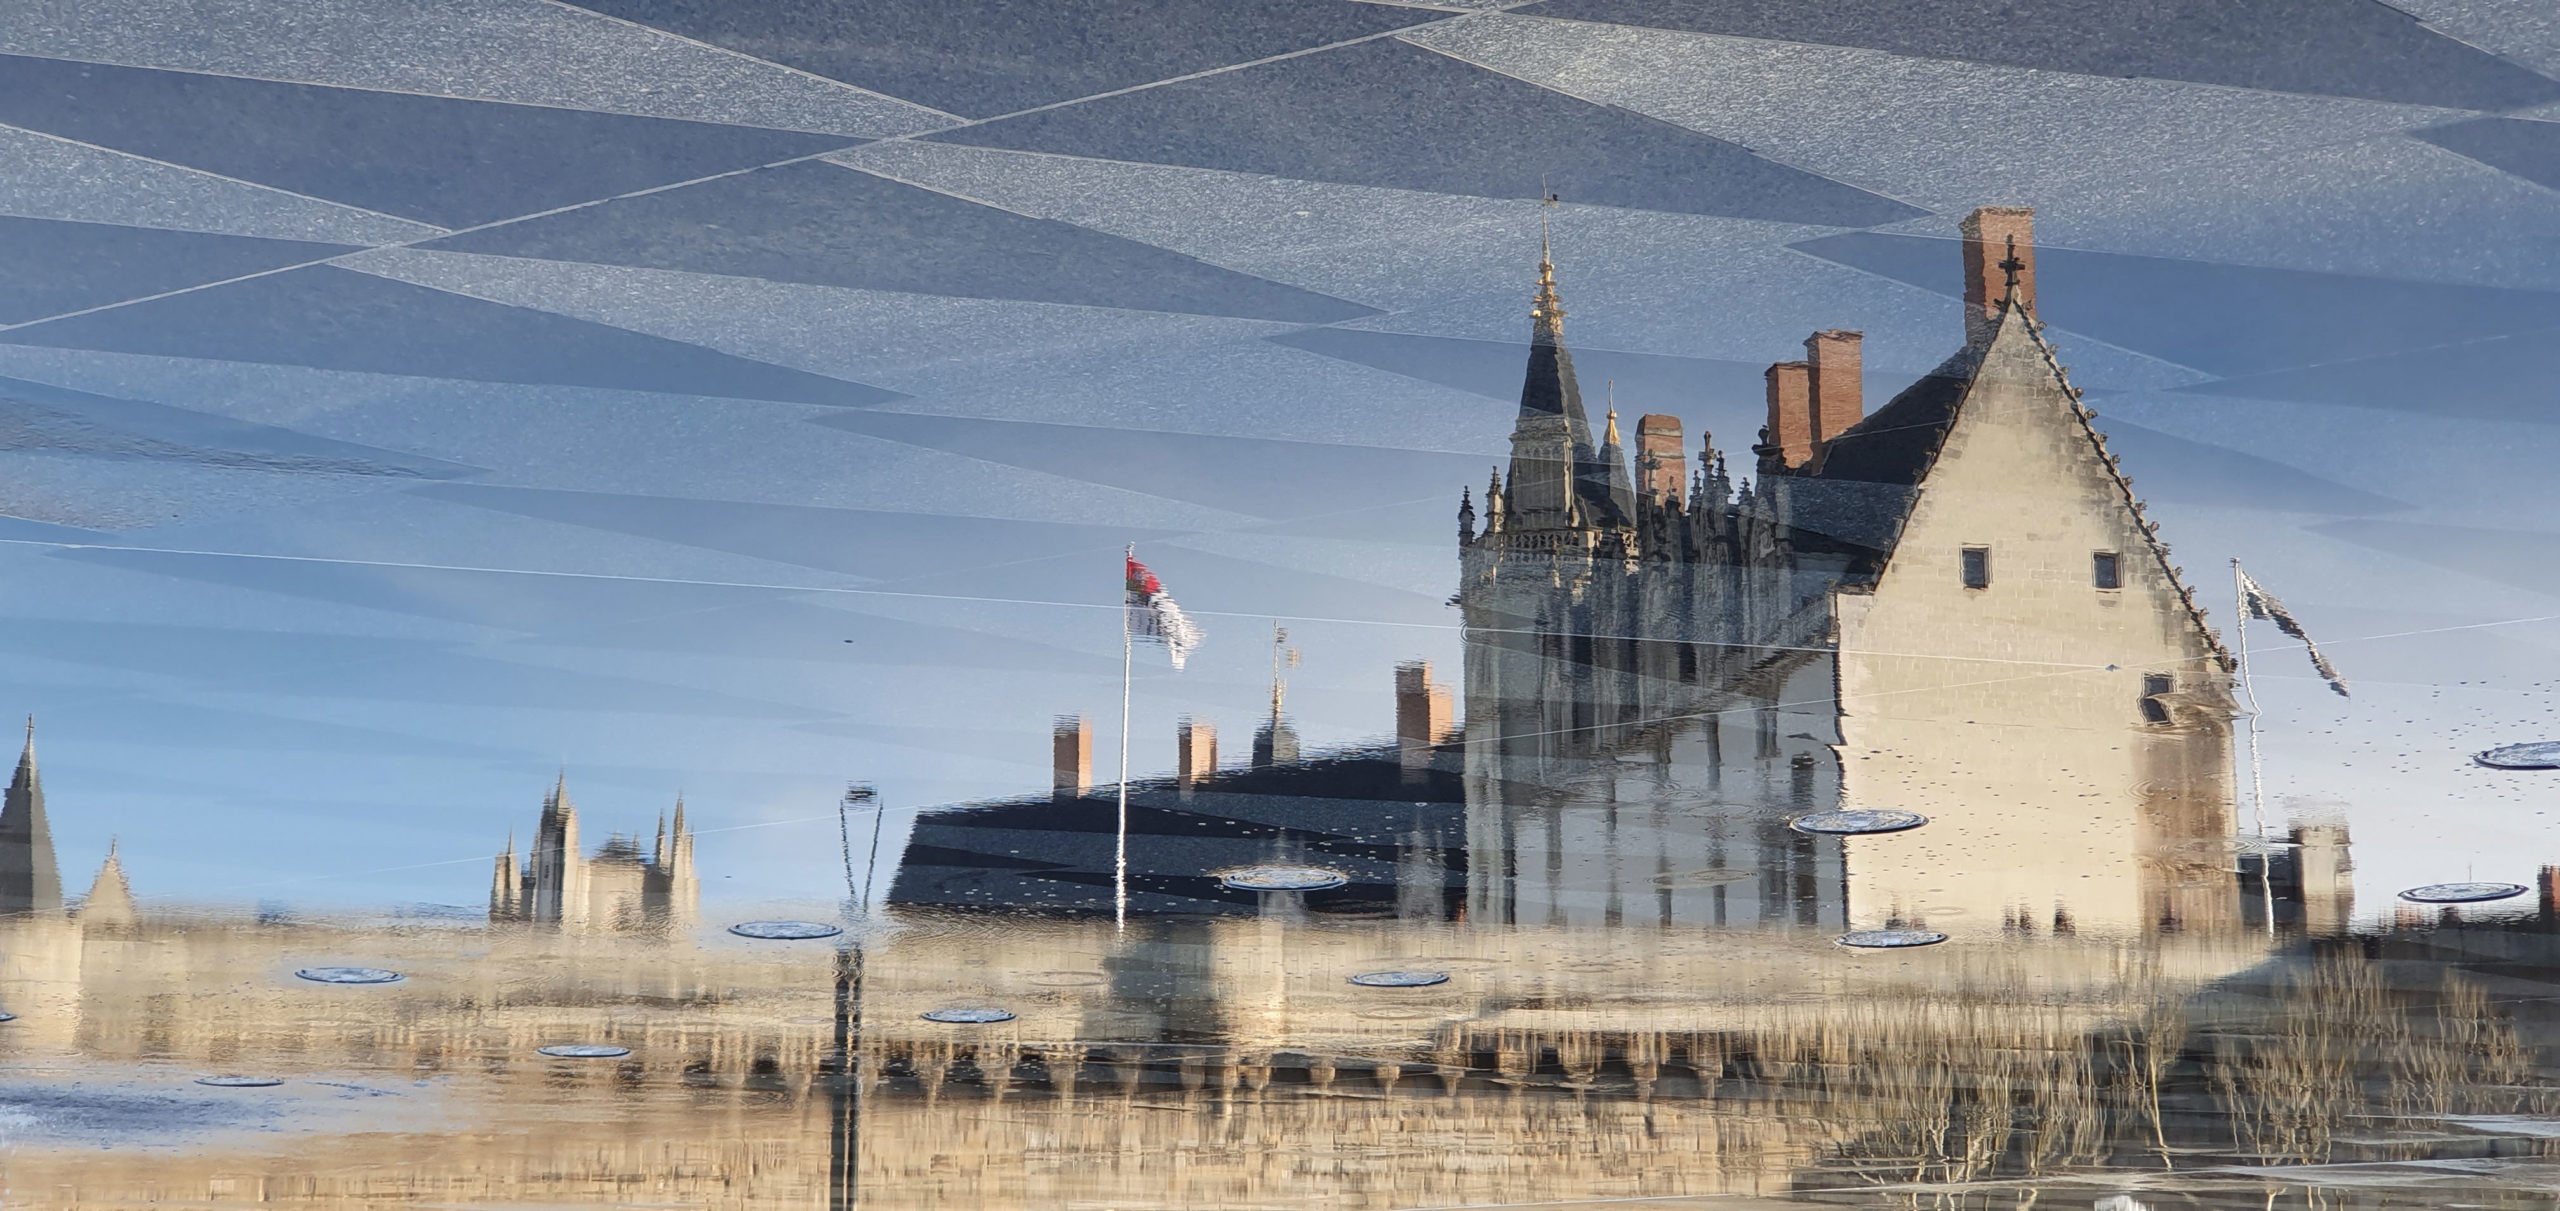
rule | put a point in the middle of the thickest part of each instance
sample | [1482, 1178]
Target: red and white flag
[1152, 614]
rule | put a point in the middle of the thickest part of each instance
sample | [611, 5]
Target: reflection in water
[1566, 946]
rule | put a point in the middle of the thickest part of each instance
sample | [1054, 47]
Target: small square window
[1977, 567]
[2104, 572]
[2154, 686]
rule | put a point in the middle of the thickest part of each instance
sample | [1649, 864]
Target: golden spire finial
[1548, 311]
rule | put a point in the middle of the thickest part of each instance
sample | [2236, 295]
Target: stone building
[617, 889]
[1955, 605]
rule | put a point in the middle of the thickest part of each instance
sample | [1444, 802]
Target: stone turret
[29, 880]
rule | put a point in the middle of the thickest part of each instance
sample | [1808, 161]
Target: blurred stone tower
[29, 880]
[617, 890]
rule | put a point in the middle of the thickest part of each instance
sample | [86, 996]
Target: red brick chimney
[1071, 757]
[1662, 466]
[1839, 393]
[1992, 234]
[1195, 754]
[1423, 717]
[1788, 441]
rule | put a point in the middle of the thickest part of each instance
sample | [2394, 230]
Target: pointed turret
[109, 903]
[29, 880]
[506, 885]
[1616, 489]
[1551, 440]
[1466, 516]
[558, 892]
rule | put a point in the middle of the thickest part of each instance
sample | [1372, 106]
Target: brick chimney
[1788, 441]
[1662, 466]
[1839, 394]
[1991, 235]
[1423, 716]
[1195, 753]
[1071, 762]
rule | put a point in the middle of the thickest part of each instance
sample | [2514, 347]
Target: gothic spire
[29, 880]
[1551, 440]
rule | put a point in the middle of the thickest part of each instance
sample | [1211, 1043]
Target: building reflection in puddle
[1953, 607]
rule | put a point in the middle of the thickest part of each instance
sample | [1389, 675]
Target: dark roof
[1897, 443]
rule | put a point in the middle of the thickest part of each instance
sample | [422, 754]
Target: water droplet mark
[1400, 979]
[1282, 878]
[1891, 939]
[2462, 893]
[784, 931]
[1858, 823]
[2541, 754]
[968, 1017]
[349, 975]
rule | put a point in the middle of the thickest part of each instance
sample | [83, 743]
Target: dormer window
[2104, 570]
[1977, 567]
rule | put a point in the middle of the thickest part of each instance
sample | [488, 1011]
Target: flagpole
[2257, 771]
[1120, 859]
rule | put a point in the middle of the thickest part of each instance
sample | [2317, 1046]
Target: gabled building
[616, 890]
[1954, 605]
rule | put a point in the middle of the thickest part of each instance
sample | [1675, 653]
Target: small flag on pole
[2256, 602]
[1152, 614]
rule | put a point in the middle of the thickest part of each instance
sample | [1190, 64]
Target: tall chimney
[1662, 466]
[1423, 716]
[1788, 441]
[1992, 235]
[1071, 762]
[1839, 395]
[1195, 753]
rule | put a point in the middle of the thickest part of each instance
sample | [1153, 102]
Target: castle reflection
[1954, 606]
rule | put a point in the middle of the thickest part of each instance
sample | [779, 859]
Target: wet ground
[635, 603]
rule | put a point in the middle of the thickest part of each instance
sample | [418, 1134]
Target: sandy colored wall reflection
[1182, 1064]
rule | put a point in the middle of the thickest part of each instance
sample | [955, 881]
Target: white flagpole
[1120, 861]
[2257, 771]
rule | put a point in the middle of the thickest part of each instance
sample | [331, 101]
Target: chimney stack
[1992, 235]
[1838, 391]
[1662, 465]
[1423, 717]
[1071, 748]
[1195, 754]
[1788, 441]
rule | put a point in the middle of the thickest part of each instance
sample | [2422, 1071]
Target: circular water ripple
[1891, 939]
[2462, 893]
[583, 1051]
[2541, 754]
[1283, 878]
[968, 1017]
[239, 1082]
[1400, 979]
[1858, 823]
[348, 975]
[784, 931]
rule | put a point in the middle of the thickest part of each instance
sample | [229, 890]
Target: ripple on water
[1891, 939]
[977, 1016]
[784, 931]
[1282, 878]
[2462, 893]
[1858, 823]
[2540, 754]
[349, 975]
